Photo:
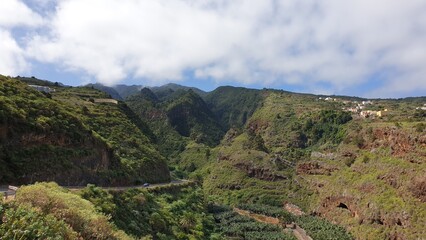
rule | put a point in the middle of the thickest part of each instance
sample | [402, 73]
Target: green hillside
[234, 106]
[366, 174]
[172, 90]
[124, 91]
[64, 136]
[355, 166]
[177, 120]
[109, 90]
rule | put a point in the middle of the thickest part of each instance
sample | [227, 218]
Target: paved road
[4, 189]
[174, 182]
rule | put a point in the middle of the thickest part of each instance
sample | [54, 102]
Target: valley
[355, 173]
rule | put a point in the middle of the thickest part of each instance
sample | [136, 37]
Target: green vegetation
[63, 136]
[315, 227]
[184, 116]
[190, 117]
[235, 226]
[234, 106]
[322, 230]
[326, 126]
[108, 90]
[255, 149]
[125, 91]
[172, 90]
[23, 222]
[47, 211]
[181, 215]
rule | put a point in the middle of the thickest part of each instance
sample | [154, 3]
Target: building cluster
[42, 88]
[370, 113]
[358, 108]
[328, 99]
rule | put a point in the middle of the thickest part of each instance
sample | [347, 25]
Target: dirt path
[293, 209]
[258, 217]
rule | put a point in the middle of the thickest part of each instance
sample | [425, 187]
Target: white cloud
[15, 13]
[12, 61]
[307, 43]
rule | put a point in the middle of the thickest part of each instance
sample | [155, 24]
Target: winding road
[155, 185]
[11, 194]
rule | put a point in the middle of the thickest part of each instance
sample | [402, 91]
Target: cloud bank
[311, 44]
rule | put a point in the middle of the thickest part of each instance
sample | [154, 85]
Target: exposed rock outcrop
[260, 173]
[315, 168]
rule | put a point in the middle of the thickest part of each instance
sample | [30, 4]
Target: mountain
[365, 173]
[190, 117]
[125, 91]
[339, 167]
[67, 137]
[170, 90]
[186, 117]
[36, 81]
[109, 90]
[233, 105]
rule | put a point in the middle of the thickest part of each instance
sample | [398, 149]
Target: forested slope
[64, 136]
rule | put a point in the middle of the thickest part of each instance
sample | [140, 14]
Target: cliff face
[41, 141]
[28, 157]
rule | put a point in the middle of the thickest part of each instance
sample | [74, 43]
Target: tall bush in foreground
[79, 214]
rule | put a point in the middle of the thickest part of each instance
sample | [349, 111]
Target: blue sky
[353, 47]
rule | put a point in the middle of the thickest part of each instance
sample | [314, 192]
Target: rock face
[418, 188]
[315, 168]
[31, 157]
[364, 214]
[401, 143]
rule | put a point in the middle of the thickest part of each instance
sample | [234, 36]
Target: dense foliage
[190, 117]
[325, 126]
[64, 136]
[235, 226]
[172, 90]
[40, 137]
[363, 173]
[24, 222]
[176, 119]
[52, 212]
[181, 215]
[234, 106]
[321, 229]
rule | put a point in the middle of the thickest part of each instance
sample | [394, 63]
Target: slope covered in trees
[257, 149]
[64, 136]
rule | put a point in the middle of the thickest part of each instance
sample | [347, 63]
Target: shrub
[24, 222]
[78, 213]
[420, 127]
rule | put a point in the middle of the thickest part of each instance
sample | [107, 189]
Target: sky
[353, 47]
